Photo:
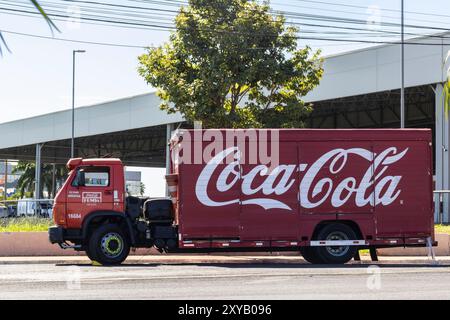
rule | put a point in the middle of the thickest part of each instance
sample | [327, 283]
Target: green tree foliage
[26, 182]
[230, 63]
[141, 189]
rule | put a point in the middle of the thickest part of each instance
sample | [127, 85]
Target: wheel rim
[337, 251]
[112, 244]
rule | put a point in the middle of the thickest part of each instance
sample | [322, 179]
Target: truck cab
[92, 185]
[93, 213]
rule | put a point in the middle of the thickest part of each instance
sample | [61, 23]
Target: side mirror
[80, 180]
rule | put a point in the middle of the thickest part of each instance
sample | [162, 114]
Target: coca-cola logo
[372, 189]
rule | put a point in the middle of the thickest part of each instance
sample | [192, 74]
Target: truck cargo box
[277, 186]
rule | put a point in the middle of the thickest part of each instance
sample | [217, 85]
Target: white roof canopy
[354, 73]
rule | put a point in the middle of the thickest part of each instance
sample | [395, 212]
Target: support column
[169, 129]
[6, 181]
[37, 174]
[53, 191]
[442, 155]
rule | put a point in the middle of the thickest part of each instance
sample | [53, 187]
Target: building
[10, 176]
[133, 182]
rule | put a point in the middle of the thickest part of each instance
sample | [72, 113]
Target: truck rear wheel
[108, 245]
[336, 254]
[310, 255]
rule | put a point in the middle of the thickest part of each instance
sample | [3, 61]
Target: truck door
[93, 194]
[269, 200]
[336, 183]
[209, 205]
[403, 190]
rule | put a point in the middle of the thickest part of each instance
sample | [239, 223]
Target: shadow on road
[268, 265]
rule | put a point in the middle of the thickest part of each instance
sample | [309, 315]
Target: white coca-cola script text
[314, 188]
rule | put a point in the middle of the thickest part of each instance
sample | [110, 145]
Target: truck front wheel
[109, 245]
[336, 254]
[91, 254]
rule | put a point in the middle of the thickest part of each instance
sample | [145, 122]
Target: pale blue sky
[36, 77]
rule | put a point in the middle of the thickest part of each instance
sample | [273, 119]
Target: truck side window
[94, 177]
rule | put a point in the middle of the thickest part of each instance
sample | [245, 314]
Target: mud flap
[431, 253]
[373, 253]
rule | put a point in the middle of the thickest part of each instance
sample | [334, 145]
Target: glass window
[94, 177]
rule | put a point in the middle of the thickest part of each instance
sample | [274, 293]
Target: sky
[36, 76]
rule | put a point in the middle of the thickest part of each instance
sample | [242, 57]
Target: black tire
[310, 255]
[109, 245]
[338, 254]
[91, 255]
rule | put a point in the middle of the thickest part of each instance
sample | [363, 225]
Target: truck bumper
[56, 234]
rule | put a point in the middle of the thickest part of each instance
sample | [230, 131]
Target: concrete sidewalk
[215, 259]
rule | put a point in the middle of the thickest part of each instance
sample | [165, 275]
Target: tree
[230, 63]
[43, 14]
[141, 189]
[27, 170]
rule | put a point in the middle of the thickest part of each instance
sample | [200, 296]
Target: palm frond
[49, 21]
[2, 40]
[46, 17]
[446, 97]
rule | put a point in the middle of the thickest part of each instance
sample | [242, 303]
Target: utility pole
[72, 146]
[402, 90]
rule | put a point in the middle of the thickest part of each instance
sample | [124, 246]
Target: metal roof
[119, 115]
[378, 68]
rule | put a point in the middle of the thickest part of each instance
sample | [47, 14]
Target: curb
[151, 260]
[186, 260]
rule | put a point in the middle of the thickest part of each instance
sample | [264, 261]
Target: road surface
[224, 281]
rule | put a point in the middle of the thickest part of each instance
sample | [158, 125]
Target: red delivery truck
[323, 193]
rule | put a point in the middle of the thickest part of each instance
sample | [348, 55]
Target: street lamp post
[72, 147]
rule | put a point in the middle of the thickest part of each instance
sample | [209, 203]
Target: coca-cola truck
[323, 193]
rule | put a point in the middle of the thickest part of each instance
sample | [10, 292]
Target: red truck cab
[93, 213]
[103, 189]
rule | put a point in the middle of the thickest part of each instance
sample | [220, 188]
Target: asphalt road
[224, 281]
